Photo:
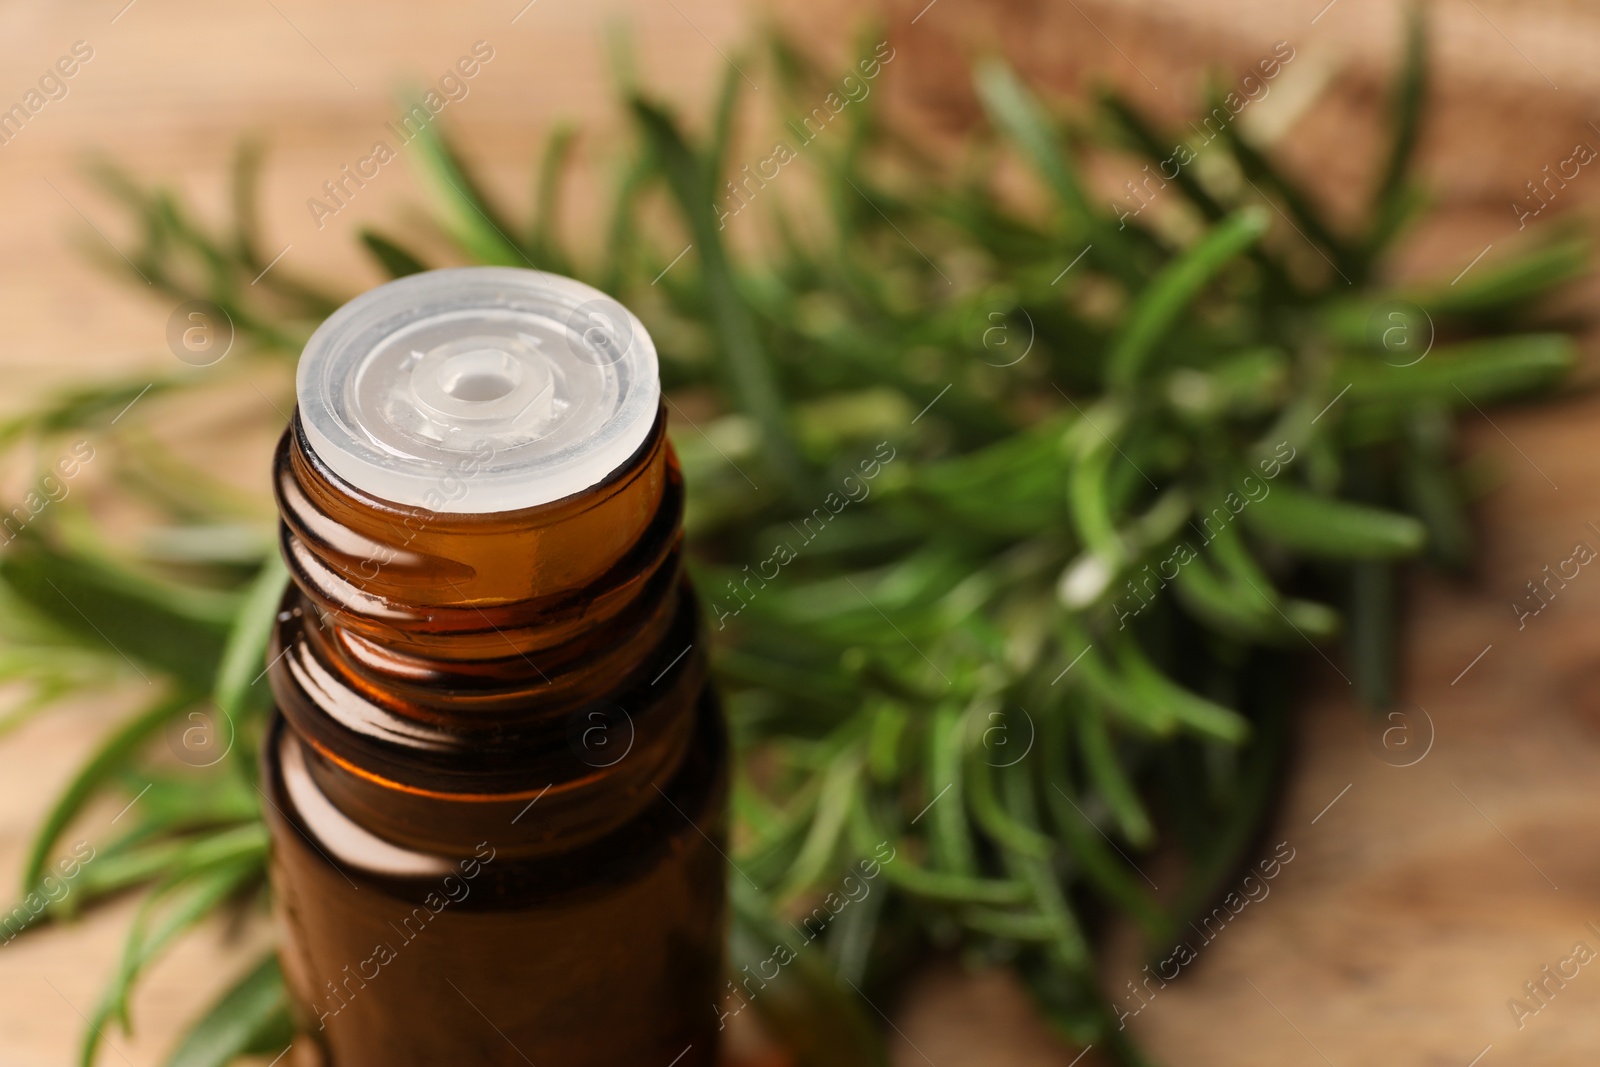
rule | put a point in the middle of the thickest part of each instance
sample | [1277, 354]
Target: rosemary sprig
[1049, 505]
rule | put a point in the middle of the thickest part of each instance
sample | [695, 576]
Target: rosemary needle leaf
[1260, 170]
[138, 619]
[239, 669]
[1106, 771]
[120, 868]
[1325, 527]
[394, 259]
[1199, 714]
[198, 892]
[722, 120]
[109, 757]
[245, 190]
[1147, 141]
[993, 817]
[749, 371]
[473, 221]
[904, 871]
[1157, 308]
[255, 1006]
[1390, 203]
[1458, 375]
[951, 842]
[819, 1021]
[1373, 613]
[1496, 289]
[544, 235]
[833, 807]
[1014, 111]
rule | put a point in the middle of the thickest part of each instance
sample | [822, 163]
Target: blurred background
[1421, 898]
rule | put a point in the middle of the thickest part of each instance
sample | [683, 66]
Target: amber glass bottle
[496, 780]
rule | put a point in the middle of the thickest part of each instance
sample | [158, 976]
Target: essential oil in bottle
[496, 778]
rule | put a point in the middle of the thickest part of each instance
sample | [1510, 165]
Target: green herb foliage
[1014, 525]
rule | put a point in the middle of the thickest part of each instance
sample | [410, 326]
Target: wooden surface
[1417, 904]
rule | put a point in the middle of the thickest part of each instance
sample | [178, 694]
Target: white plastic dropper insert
[478, 389]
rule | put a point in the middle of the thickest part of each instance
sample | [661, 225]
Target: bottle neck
[431, 584]
[479, 660]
